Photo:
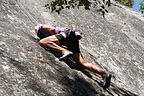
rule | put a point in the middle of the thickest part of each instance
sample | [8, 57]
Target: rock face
[116, 43]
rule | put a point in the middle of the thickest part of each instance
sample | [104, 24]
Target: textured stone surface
[116, 43]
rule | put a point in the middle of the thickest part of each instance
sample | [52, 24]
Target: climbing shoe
[107, 81]
[65, 56]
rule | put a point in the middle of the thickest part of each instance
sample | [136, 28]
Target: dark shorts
[70, 42]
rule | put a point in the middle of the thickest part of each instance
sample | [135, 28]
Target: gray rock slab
[115, 44]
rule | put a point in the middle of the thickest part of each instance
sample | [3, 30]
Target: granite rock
[114, 43]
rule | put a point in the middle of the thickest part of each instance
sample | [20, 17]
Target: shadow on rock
[81, 87]
[71, 63]
[78, 86]
[115, 90]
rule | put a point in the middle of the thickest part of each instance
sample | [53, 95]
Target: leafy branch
[142, 6]
[128, 3]
[58, 5]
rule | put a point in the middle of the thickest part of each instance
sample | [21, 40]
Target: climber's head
[39, 32]
[37, 28]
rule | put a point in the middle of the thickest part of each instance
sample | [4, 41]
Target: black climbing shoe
[107, 81]
[65, 56]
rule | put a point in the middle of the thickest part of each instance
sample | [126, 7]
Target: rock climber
[54, 38]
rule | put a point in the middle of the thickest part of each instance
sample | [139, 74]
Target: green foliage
[128, 3]
[142, 6]
[58, 5]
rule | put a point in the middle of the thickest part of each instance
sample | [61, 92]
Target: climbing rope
[36, 22]
[27, 13]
